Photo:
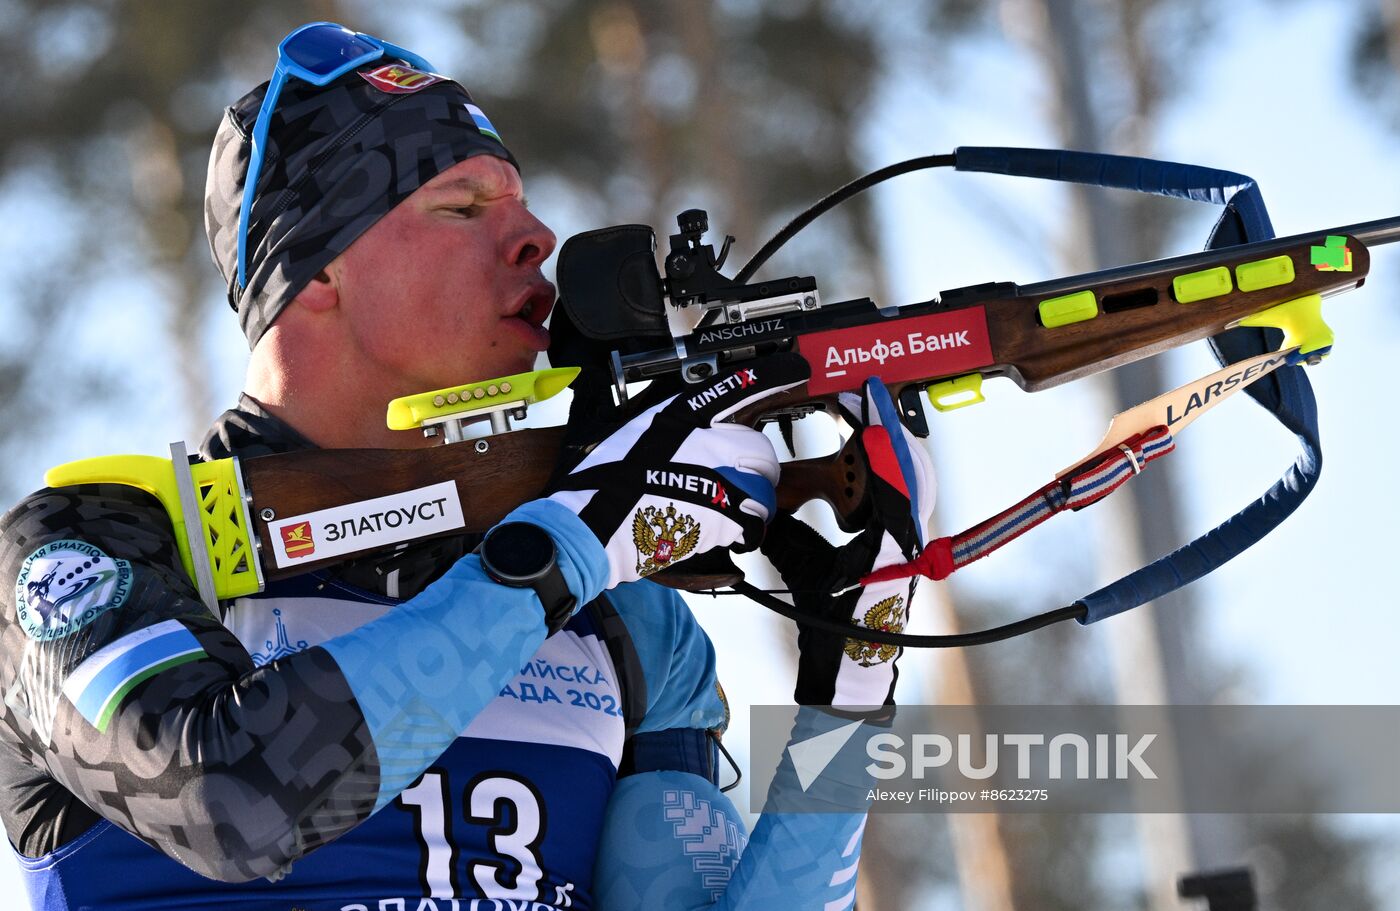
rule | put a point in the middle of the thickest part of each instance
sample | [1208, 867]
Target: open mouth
[538, 303]
[529, 315]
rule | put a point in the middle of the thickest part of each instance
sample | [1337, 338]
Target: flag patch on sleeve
[98, 685]
[483, 123]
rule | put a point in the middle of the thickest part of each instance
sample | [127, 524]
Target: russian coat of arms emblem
[662, 537]
[886, 615]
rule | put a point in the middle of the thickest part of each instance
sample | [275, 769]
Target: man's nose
[533, 241]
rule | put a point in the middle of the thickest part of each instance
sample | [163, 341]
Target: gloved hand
[833, 669]
[678, 480]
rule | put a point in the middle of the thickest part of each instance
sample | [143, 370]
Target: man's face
[446, 288]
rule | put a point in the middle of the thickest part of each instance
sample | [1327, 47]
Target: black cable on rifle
[955, 640]
[834, 199]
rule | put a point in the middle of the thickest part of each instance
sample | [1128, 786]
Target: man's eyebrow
[473, 186]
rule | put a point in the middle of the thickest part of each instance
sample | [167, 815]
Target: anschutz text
[740, 330]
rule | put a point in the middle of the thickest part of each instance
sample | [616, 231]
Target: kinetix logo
[743, 379]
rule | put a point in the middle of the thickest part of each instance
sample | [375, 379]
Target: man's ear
[321, 294]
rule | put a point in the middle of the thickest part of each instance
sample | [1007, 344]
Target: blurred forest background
[115, 335]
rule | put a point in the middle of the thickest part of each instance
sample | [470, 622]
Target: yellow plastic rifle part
[959, 392]
[519, 390]
[1265, 273]
[223, 520]
[1199, 286]
[1301, 322]
[1068, 309]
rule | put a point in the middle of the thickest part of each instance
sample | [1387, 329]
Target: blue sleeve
[677, 658]
[425, 669]
[672, 840]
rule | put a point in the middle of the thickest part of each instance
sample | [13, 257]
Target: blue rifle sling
[1286, 393]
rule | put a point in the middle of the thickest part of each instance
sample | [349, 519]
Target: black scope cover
[610, 288]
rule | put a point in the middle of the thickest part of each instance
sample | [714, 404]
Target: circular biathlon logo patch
[65, 585]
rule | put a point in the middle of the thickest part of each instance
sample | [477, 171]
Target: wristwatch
[522, 555]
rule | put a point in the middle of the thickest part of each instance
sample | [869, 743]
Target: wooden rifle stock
[1140, 314]
[511, 469]
[1049, 333]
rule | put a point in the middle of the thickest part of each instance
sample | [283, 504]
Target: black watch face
[519, 550]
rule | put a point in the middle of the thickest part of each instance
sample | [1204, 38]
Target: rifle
[243, 523]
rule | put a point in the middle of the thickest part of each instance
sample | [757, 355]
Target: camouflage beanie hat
[338, 158]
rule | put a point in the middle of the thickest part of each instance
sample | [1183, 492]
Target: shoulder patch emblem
[397, 79]
[65, 585]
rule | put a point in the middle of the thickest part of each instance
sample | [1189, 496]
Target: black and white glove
[678, 479]
[833, 669]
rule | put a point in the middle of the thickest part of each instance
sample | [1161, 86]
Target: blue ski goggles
[318, 53]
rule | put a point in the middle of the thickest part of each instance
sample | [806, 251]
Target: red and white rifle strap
[1085, 484]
